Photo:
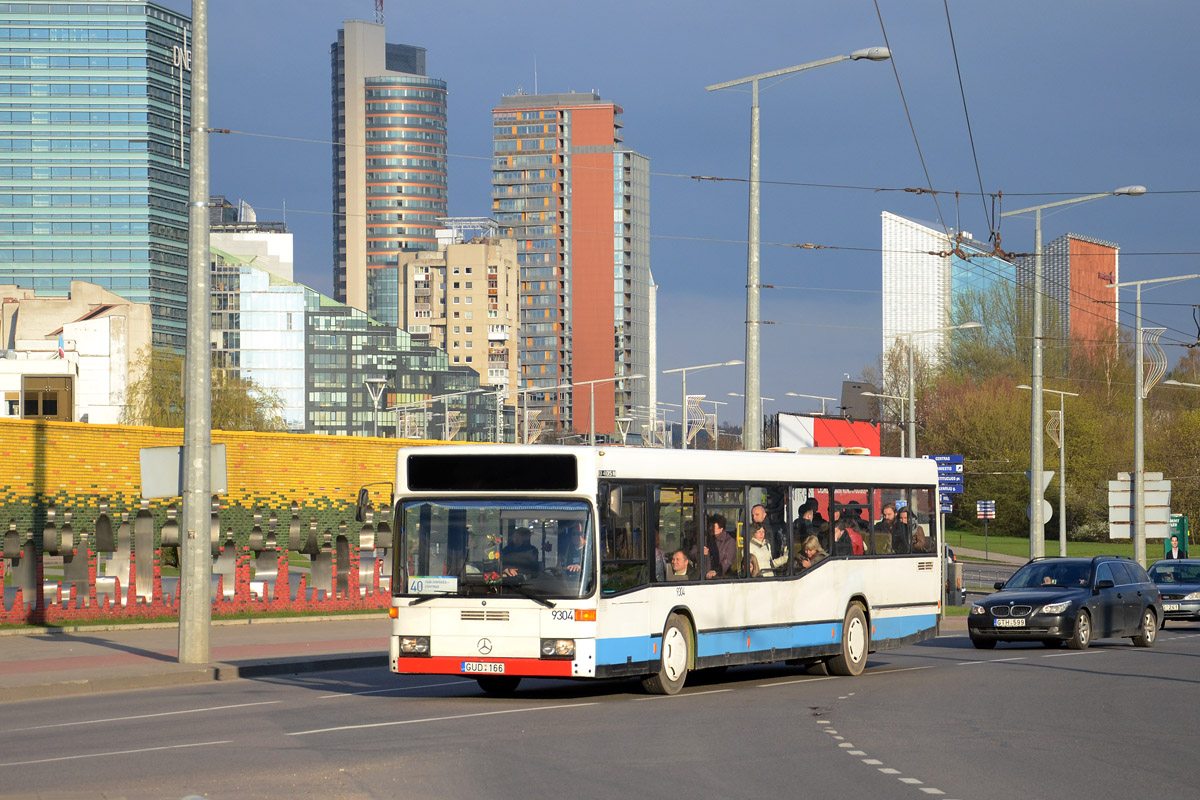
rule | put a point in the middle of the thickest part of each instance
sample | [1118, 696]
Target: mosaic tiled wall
[79, 542]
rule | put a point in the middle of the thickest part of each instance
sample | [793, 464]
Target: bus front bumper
[482, 666]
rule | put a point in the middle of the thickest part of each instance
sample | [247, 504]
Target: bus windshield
[520, 548]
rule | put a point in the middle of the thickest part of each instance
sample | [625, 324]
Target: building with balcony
[577, 201]
[389, 164]
[463, 299]
[95, 105]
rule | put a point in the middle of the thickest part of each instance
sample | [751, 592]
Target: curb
[149, 626]
[186, 676]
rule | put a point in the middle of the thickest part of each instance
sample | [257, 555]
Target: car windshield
[1166, 572]
[1050, 573]
[481, 547]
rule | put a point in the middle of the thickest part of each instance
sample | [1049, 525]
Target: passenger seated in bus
[572, 557]
[810, 555]
[682, 568]
[519, 557]
[720, 549]
[902, 539]
[760, 552]
[920, 542]
[846, 540]
[884, 530]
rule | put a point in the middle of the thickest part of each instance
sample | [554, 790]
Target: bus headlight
[558, 648]
[414, 645]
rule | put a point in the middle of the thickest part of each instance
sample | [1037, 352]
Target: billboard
[805, 430]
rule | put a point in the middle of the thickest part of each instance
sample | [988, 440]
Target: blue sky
[1064, 98]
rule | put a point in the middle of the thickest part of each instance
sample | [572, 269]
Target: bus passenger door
[627, 566]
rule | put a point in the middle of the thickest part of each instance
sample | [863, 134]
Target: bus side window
[624, 545]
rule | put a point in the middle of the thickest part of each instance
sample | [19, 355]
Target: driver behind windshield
[520, 558]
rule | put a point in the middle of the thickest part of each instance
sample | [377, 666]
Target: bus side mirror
[614, 500]
[360, 506]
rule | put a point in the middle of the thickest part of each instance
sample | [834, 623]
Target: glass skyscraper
[389, 164]
[94, 108]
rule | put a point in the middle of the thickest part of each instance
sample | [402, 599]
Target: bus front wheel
[855, 640]
[675, 658]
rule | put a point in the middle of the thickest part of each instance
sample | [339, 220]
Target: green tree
[156, 396]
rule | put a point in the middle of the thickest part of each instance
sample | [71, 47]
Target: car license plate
[482, 666]
[1010, 622]
[1170, 606]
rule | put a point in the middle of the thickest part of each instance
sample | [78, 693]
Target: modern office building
[94, 111]
[925, 268]
[389, 164]
[463, 299]
[1076, 271]
[320, 355]
[578, 203]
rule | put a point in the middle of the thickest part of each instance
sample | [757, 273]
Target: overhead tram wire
[991, 221]
[811, 246]
[916, 142]
[721, 178]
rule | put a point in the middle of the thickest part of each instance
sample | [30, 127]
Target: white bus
[602, 562]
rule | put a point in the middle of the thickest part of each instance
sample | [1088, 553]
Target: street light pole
[912, 388]
[752, 435]
[1037, 523]
[1062, 464]
[684, 371]
[1139, 432]
[592, 402]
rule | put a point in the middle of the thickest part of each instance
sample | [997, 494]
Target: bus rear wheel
[500, 685]
[675, 658]
[855, 640]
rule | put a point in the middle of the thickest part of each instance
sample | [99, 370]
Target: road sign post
[985, 510]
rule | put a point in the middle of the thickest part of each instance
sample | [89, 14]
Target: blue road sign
[950, 478]
[949, 468]
[951, 489]
[946, 459]
[947, 508]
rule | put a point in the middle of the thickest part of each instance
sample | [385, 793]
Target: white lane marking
[990, 661]
[856, 752]
[437, 719]
[114, 753]
[145, 716]
[902, 669]
[872, 761]
[798, 680]
[1079, 653]
[839, 738]
[845, 744]
[931, 790]
[889, 771]
[910, 781]
[820, 721]
[466, 682]
[689, 694]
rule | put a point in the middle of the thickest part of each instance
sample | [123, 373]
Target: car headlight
[558, 648]
[1192, 596]
[414, 645]
[977, 609]
[1055, 608]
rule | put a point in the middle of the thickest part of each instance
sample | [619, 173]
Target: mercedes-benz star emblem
[485, 646]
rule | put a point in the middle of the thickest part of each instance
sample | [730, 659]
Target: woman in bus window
[760, 551]
[811, 554]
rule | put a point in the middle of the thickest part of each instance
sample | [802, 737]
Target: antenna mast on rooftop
[379, 12]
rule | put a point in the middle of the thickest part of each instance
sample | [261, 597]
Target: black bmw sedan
[1071, 600]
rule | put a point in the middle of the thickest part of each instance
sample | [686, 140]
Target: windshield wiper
[425, 598]
[521, 590]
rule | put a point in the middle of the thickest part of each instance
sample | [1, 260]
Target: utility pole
[195, 573]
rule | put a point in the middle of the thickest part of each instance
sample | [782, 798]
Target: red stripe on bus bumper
[451, 665]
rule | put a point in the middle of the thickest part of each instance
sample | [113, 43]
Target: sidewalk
[89, 659]
[990, 556]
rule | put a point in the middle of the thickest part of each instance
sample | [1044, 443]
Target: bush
[1095, 530]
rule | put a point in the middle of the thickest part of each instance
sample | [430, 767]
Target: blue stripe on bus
[625, 649]
[640, 648]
